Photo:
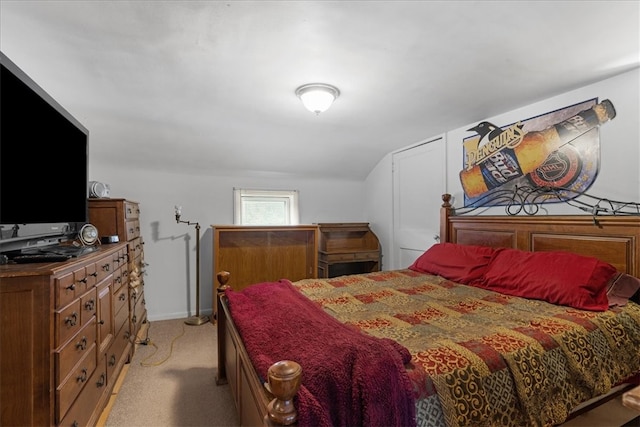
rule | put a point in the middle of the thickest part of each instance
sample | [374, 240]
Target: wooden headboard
[613, 239]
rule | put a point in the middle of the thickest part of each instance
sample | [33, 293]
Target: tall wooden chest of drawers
[64, 341]
[121, 217]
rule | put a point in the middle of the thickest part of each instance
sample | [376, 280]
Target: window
[265, 207]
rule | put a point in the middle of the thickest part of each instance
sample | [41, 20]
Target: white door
[419, 180]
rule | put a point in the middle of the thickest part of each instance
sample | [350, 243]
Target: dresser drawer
[65, 287]
[79, 412]
[340, 257]
[81, 280]
[122, 311]
[68, 356]
[131, 210]
[139, 310]
[134, 293]
[120, 298]
[91, 271]
[118, 354]
[67, 322]
[367, 256]
[135, 251]
[133, 229]
[104, 268]
[119, 278]
[88, 306]
[71, 387]
[120, 259]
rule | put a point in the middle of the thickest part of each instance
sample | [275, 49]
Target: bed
[491, 358]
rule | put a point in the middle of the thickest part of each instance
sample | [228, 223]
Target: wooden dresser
[347, 248]
[254, 254]
[121, 217]
[65, 337]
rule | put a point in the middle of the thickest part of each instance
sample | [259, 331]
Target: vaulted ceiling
[207, 87]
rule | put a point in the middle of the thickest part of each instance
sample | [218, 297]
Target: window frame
[292, 197]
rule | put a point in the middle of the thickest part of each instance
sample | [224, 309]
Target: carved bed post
[284, 379]
[223, 278]
[445, 212]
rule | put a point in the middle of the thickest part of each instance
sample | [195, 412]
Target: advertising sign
[559, 149]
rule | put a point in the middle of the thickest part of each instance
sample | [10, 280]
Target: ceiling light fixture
[317, 97]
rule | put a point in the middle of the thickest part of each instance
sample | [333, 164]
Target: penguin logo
[487, 131]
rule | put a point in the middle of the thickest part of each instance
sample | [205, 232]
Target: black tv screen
[43, 156]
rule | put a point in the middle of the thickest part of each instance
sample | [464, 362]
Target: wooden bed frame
[613, 239]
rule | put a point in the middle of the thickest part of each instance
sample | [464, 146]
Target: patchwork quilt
[480, 358]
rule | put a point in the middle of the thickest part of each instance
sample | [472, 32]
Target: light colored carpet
[171, 381]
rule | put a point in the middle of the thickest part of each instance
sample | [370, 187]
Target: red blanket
[348, 378]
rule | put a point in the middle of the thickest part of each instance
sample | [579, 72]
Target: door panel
[419, 180]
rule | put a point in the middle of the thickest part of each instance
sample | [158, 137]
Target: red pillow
[561, 278]
[459, 263]
[621, 288]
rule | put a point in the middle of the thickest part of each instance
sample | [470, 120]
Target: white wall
[618, 179]
[379, 206]
[170, 247]
[170, 283]
[619, 175]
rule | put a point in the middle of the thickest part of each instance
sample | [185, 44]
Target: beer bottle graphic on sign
[524, 153]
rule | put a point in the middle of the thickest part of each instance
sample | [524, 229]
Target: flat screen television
[43, 165]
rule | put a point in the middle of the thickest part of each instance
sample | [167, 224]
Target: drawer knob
[122, 297]
[101, 381]
[106, 267]
[112, 360]
[71, 320]
[82, 378]
[71, 287]
[82, 344]
[89, 305]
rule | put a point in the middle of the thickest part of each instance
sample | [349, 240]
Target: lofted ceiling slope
[207, 87]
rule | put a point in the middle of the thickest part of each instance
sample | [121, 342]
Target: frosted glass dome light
[317, 97]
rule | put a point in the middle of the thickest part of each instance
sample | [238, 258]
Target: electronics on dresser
[109, 239]
[88, 235]
[33, 258]
[43, 142]
[99, 189]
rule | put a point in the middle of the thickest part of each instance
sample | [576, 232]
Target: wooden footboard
[257, 402]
